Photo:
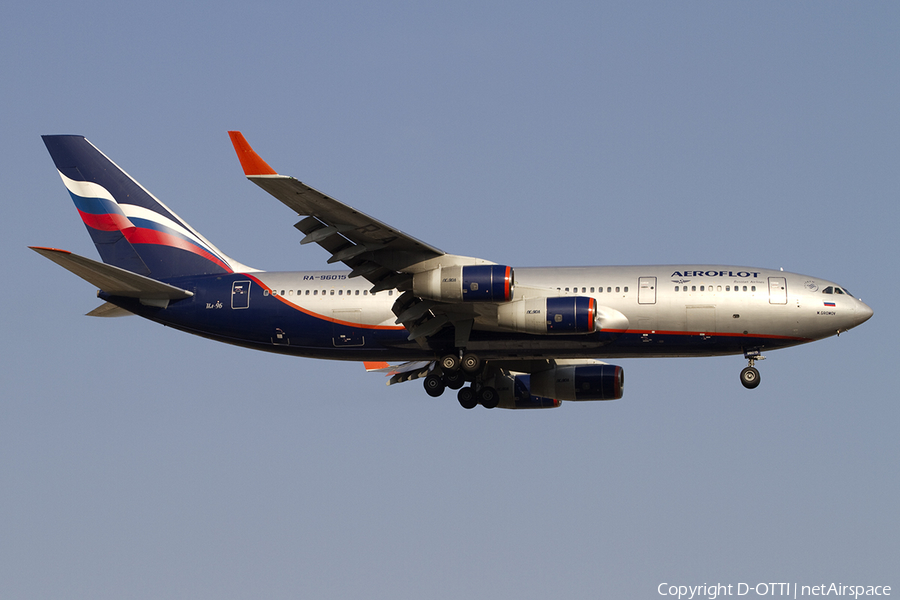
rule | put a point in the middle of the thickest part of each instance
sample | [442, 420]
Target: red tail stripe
[136, 235]
[105, 221]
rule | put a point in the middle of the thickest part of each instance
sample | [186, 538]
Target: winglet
[376, 366]
[250, 160]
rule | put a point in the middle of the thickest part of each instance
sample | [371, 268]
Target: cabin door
[240, 294]
[647, 290]
[777, 290]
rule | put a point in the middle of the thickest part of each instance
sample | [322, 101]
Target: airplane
[522, 338]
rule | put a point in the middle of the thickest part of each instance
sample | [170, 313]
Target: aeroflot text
[771, 589]
[738, 274]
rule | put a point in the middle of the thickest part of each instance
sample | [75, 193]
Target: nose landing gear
[750, 375]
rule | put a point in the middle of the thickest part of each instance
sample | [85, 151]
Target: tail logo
[99, 210]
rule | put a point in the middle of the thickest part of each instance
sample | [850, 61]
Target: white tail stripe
[86, 189]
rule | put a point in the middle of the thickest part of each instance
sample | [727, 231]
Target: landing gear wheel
[488, 397]
[750, 377]
[450, 363]
[471, 364]
[454, 380]
[434, 385]
[466, 397]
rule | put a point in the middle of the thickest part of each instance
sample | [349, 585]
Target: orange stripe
[320, 316]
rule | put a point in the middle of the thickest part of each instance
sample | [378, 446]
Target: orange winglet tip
[375, 365]
[49, 249]
[250, 160]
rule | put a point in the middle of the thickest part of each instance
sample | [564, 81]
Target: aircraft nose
[863, 312]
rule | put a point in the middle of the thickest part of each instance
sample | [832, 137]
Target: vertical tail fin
[130, 227]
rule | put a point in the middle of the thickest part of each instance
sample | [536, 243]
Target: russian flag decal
[829, 304]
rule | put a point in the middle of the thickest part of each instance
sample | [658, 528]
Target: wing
[371, 248]
[383, 255]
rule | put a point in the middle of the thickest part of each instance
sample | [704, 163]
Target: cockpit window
[833, 289]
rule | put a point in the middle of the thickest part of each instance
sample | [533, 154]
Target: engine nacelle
[565, 314]
[514, 392]
[473, 283]
[579, 382]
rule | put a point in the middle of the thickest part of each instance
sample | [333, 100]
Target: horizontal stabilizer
[108, 309]
[113, 280]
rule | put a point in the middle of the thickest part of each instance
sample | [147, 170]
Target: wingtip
[48, 250]
[376, 365]
[250, 160]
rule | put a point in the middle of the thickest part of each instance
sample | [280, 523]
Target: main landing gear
[750, 375]
[454, 373]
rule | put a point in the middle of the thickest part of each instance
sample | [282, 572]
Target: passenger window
[307, 293]
[720, 288]
[617, 289]
[702, 288]
[265, 292]
[608, 290]
[592, 290]
[357, 293]
[752, 288]
[626, 289]
[676, 288]
[727, 288]
[693, 288]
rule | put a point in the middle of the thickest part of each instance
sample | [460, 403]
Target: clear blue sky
[140, 462]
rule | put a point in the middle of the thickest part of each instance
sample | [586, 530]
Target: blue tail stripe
[95, 206]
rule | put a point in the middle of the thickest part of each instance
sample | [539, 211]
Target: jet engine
[566, 314]
[513, 391]
[474, 283]
[579, 382]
